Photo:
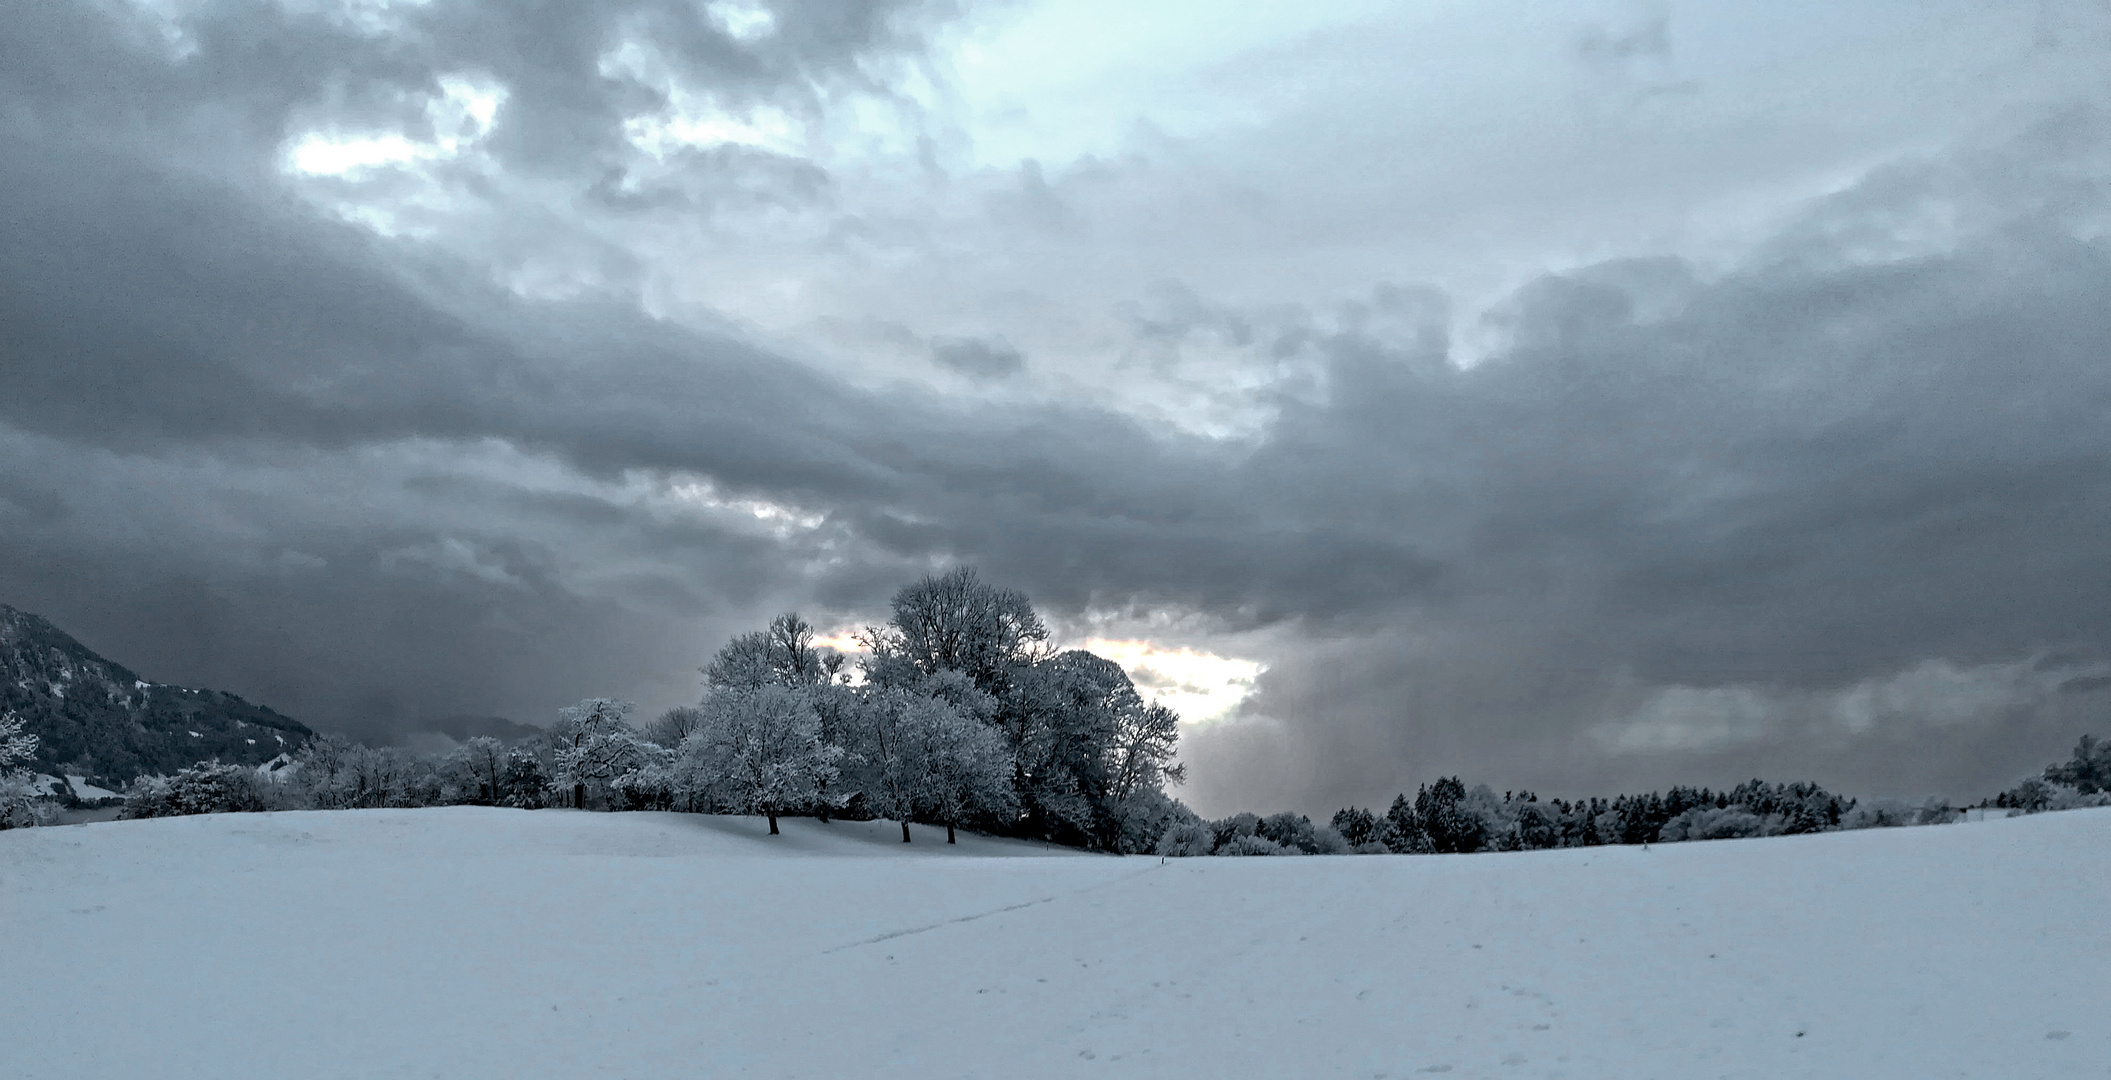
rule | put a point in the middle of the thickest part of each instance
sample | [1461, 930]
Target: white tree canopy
[594, 745]
[758, 749]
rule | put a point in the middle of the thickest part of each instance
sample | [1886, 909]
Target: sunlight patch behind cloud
[1200, 686]
[461, 115]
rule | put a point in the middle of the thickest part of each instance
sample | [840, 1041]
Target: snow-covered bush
[1716, 823]
[208, 787]
[1295, 833]
[1895, 813]
[651, 786]
[1877, 814]
[1147, 817]
[21, 805]
[1249, 844]
[2037, 796]
[1187, 839]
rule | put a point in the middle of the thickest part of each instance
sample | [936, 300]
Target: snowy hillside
[472, 942]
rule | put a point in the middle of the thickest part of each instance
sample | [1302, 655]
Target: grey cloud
[343, 475]
[980, 358]
[705, 180]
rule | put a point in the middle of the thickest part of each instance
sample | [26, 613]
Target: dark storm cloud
[1672, 522]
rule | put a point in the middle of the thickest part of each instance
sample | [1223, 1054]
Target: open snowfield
[492, 943]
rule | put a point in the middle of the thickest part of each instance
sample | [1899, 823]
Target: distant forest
[959, 714]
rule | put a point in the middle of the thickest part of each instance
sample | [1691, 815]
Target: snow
[82, 789]
[1989, 813]
[471, 942]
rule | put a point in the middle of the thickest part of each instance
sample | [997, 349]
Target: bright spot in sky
[843, 640]
[1200, 686]
[461, 115]
[743, 21]
[773, 518]
[696, 123]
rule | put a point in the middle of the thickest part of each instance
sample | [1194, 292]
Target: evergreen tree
[1356, 825]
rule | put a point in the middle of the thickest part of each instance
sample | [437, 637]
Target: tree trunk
[949, 832]
[773, 824]
[578, 796]
[905, 830]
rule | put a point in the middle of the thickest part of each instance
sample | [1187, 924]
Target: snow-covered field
[491, 943]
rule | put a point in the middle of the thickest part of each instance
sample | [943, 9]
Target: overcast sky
[1575, 396]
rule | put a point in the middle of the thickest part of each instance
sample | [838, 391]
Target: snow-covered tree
[782, 655]
[674, 725]
[323, 772]
[1140, 749]
[888, 736]
[482, 764]
[967, 769]
[16, 788]
[956, 622]
[759, 750]
[1717, 823]
[16, 745]
[592, 745]
[208, 787]
[1061, 716]
[2088, 771]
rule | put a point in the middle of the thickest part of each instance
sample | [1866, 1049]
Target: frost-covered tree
[1717, 823]
[1447, 817]
[759, 750]
[1356, 825]
[921, 758]
[592, 745]
[524, 785]
[482, 764]
[1146, 818]
[956, 622]
[1187, 838]
[16, 745]
[967, 770]
[1062, 716]
[674, 725]
[1140, 748]
[891, 734]
[208, 787]
[2088, 771]
[16, 788]
[323, 772]
[784, 654]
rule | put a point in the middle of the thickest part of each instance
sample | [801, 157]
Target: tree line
[959, 713]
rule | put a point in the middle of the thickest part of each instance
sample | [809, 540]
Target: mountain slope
[97, 719]
[472, 942]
